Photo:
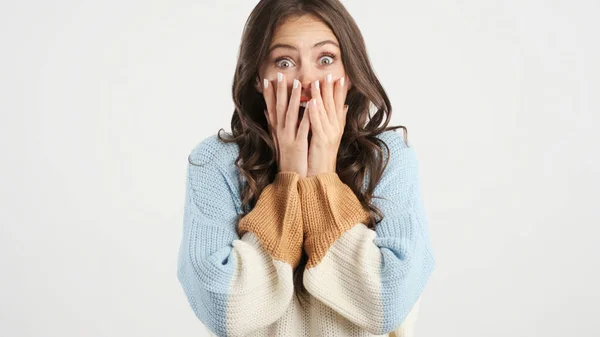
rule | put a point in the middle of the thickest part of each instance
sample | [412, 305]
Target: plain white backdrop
[101, 102]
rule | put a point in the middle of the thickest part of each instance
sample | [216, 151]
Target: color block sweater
[236, 269]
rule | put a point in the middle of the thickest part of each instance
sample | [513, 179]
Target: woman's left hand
[327, 114]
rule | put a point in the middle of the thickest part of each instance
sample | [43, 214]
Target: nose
[307, 76]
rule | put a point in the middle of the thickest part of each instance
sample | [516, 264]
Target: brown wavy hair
[360, 150]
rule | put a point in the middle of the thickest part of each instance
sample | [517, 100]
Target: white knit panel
[336, 283]
[261, 288]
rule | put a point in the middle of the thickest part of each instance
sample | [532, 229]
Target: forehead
[301, 30]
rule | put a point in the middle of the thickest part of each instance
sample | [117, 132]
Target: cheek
[339, 73]
[267, 72]
[271, 74]
[347, 80]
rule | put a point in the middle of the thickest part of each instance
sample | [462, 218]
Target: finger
[273, 136]
[272, 131]
[315, 90]
[321, 115]
[268, 120]
[269, 97]
[281, 99]
[315, 119]
[340, 96]
[304, 125]
[294, 106]
[328, 99]
[269, 116]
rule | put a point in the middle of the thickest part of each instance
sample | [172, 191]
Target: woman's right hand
[291, 139]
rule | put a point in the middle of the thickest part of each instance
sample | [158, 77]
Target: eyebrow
[287, 46]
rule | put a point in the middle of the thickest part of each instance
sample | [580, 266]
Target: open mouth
[302, 108]
[301, 112]
[300, 115]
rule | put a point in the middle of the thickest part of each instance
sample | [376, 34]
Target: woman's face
[302, 48]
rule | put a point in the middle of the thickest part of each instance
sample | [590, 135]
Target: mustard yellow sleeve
[276, 219]
[329, 208]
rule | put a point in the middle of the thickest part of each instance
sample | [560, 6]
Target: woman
[309, 220]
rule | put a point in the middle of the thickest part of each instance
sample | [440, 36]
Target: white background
[101, 102]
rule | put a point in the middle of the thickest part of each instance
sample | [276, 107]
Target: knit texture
[276, 219]
[330, 208]
[236, 270]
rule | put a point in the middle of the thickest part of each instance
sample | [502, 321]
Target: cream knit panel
[261, 288]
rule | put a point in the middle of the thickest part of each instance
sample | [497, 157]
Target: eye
[330, 58]
[283, 63]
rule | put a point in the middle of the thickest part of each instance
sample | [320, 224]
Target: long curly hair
[369, 109]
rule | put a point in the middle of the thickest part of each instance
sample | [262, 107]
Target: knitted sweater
[236, 270]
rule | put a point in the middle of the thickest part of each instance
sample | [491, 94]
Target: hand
[291, 139]
[327, 122]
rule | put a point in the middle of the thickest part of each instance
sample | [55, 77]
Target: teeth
[303, 104]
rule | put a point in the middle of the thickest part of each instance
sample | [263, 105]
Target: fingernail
[329, 78]
[342, 81]
[296, 82]
[265, 83]
[307, 104]
[279, 77]
[317, 84]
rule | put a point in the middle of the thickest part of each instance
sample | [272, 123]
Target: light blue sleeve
[220, 272]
